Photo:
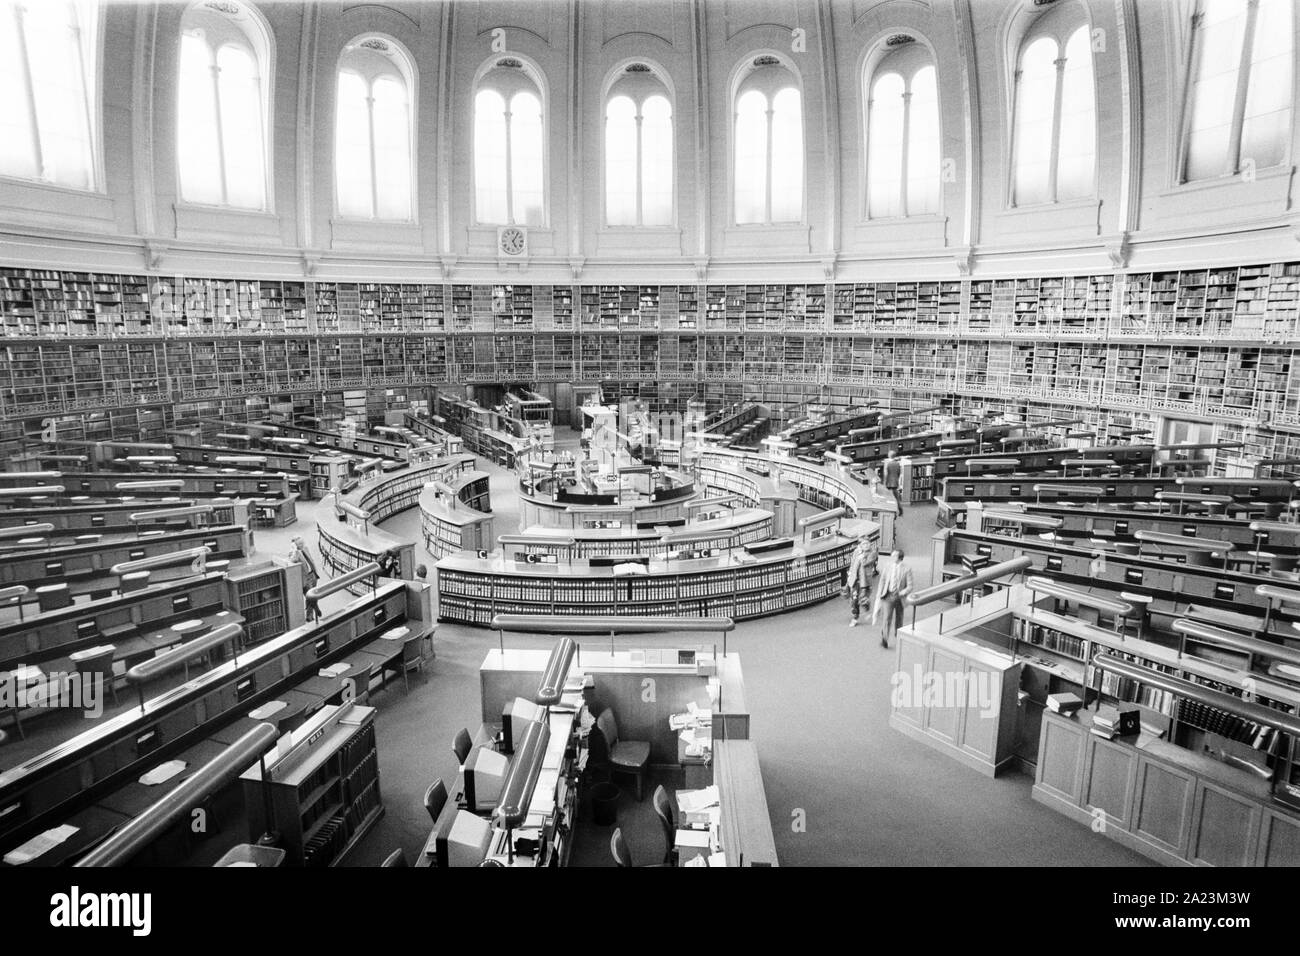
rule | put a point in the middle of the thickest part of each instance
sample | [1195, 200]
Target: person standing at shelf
[862, 567]
[895, 584]
[893, 474]
[298, 554]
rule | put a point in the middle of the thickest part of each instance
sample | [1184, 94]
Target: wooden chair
[663, 808]
[624, 756]
[435, 798]
[412, 658]
[461, 746]
[100, 663]
[619, 851]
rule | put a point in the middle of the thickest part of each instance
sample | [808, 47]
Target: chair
[619, 851]
[396, 858]
[663, 808]
[100, 663]
[435, 798]
[624, 756]
[461, 746]
[412, 658]
[51, 597]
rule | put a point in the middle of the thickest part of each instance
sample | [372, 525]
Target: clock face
[513, 241]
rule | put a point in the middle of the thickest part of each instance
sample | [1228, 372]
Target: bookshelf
[185, 341]
[472, 590]
[268, 597]
[324, 793]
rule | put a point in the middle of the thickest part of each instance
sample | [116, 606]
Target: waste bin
[247, 854]
[604, 804]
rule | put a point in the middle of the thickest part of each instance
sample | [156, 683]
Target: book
[1064, 703]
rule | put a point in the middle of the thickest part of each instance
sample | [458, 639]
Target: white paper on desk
[39, 844]
[268, 710]
[543, 796]
[717, 859]
[163, 772]
[693, 801]
[334, 670]
[698, 838]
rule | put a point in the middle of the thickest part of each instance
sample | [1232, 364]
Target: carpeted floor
[843, 788]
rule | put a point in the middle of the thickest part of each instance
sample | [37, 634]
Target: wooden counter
[473, 589]
[1168, 803]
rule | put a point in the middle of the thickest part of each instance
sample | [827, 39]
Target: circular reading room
[675, 433]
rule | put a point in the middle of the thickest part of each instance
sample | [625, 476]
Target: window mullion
[1055, 154]
[1243, 83]
[1017, 107]
[374, 165]
[866, 158]
[510, 185]
[85, 101]
[767, 165]
[638, 184]
[1189, 91]
[221, 135]
[38, 154]
[902, 179]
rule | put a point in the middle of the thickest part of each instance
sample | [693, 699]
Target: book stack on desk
[1109, 723]
[1065, 704]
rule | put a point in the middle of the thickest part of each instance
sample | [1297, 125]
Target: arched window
[373, 130]
[768, 144]
[223, 109]
[1239, 97]
[1055, 128]
[49, 90]
[509, 146]
[903, 139]
[638, 150]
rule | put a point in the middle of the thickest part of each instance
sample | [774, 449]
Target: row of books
[1233, 726]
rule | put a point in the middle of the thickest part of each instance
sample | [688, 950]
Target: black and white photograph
[649, 434]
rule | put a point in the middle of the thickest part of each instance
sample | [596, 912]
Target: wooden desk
[745, 828]
[94, 824]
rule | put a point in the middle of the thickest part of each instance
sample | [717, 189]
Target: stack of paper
[163, 772]
[334, 670]
[41, 843]
[268, 710]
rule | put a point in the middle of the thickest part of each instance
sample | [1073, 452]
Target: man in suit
[895, 584]
[893, 474]
[862, 566]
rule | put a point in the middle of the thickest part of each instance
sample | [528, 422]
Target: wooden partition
[50, 786]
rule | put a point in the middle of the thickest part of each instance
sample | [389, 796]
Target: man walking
[893, 470]
[862, 566]
[895, 584]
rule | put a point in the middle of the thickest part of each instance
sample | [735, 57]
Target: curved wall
[1139, 216]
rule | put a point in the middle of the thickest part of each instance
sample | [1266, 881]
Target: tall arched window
[373, 130]
[1239, 97]
[509, 146]
[638, 150]
[903, 138]
[1055, 129]
[48, 85]
[768, 144]
[223, 109]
